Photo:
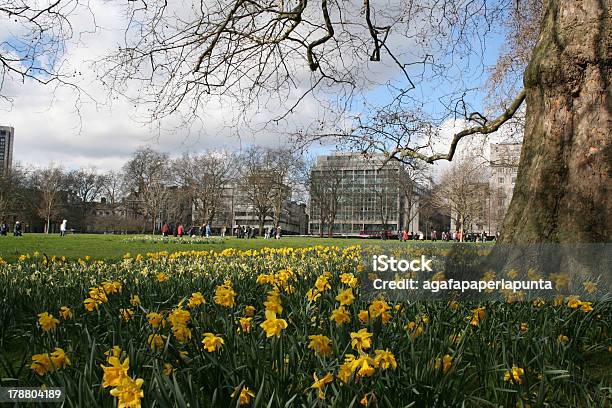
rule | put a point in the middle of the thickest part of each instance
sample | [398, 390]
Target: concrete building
[7, 137]
[236, 210]
[493, 197]
[357, 195]
[504, 161]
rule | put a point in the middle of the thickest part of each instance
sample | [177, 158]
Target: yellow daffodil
[41, 363]
[444, 363]
[129, 393]
[477, 315]
[320, 344]
[245, 396]
[126, 314]
[245, 324]
[115, 372]
[47, 322]
[154, 319]
[319, 384]
[361, 340]
[225, 295]
[346, 297]
[340, 316]
[135, 300]
[211, 342]
[273, 326]
[196, 300]
[249, 311]
[514, 375]
[65, 312]
[156, 342]
[385, 359]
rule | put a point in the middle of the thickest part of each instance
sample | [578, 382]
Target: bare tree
[49, 183]
[258, 53]
[84, 185]
[10, 191]
[328, 192]
[148, 175]
[112, 188]
[264, 182]
[40, 32]
[463, 189]
[204, 178]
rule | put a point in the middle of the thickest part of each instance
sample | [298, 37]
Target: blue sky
[61, 126]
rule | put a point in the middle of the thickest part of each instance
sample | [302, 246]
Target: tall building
[492, 197]
[504, 161]
[7, 135]
[356, 195]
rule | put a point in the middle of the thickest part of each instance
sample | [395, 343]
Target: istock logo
[384, 263]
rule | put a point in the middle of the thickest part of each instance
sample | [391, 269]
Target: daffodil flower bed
[285, 328]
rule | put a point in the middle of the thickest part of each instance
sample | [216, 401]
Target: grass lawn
[110, 247]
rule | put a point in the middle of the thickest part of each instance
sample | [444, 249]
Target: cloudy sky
[84, 128]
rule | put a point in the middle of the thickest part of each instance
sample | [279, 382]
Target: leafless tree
[328, 192]
[48, 183]
[148, 175]
[11, 184]
[283, 52]
[112, 188]
[39, 33]
[264, 183]
[205, 177]
[463, 189]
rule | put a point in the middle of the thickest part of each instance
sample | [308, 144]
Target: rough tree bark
[562, 191]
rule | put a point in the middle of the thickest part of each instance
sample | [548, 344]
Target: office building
[352, 194]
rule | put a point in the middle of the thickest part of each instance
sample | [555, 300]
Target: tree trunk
[562, 191]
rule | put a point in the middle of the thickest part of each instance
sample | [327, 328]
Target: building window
[501, 180]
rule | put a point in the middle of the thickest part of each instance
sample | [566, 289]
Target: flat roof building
[7, 135]
[353, 194]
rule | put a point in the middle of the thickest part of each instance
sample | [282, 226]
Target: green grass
[109, 247]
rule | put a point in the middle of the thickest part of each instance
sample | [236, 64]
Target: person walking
[63, 228]
[3, 229]
[17, 229]
[278, 232]
[165, 229]
[223, 230]
[208, 231]
[180, 230]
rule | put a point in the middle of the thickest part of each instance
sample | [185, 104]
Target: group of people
[17, 229]
[444, 236]
[168, 229]
[242, 231]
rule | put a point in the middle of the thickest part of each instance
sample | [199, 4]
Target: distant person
[208, 231]
[63, 228]
[3, 229]
[165, 230]
[17, 229]
[434, 236]
[278, 232]
[180, 230]
[223, 231]
[404, 235]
